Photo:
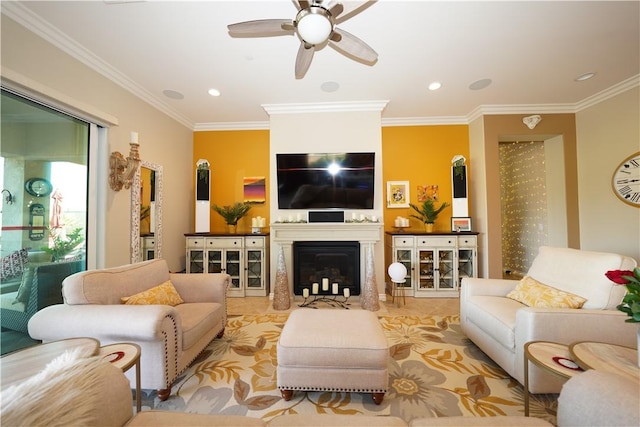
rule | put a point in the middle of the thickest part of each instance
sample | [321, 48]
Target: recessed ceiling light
[480, 84]
[583, 77]
[172, 94]
[214, 92]
[435, 86]
[329, 86]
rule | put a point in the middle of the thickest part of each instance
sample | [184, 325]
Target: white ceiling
[532, 51]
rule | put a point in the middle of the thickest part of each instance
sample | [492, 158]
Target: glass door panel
[426, 272]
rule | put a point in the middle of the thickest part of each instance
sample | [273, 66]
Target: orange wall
[418, 154]
[422, 155]
[233, 155]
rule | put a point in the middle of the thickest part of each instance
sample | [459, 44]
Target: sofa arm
[108, 323]
[471, 286]
[542, 324]
[597, 398]
[202, 287]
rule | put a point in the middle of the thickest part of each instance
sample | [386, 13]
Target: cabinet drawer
[224, 242]
[436, 241]
[254, 242]
[149, 243]
[403, 242]
[195, 242]
[467, 242]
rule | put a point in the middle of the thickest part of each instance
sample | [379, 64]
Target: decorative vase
[428, 227]
[232, 228]
[281, 299]
[369, 296]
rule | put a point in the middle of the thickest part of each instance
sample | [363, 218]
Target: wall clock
[38, 187]
[626, 180]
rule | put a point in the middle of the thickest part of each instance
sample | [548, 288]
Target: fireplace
[326, 263]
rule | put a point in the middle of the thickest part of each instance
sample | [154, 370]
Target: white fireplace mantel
[283, 235]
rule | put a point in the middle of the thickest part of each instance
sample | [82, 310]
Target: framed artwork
[460, 223]
[398, 194]
[254, 189]
[427, 192]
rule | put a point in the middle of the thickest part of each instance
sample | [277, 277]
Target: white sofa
[501, 327]
[170, 337]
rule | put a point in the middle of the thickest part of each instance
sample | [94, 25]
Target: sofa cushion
[581, 273]
[13, 264]
[535, 294]
[25, 285]
[197, 318]
[108, 285]
[164, 294]
[496, 316]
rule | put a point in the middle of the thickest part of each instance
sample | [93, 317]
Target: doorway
[533, 201]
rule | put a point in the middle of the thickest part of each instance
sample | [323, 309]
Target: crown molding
[324, 107]
[231, 126]
[614, 90]
[424, 121]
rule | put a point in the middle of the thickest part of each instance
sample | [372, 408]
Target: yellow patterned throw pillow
[535, 294]
[164, 294]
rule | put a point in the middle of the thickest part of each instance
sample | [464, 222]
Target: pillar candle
[346, 292]
[353, 216]
[263, 222]
[305, 292]
[374, 218]
[134, 137]
[361, 217]
[314, 288]
[335, 289]
[325, 284]
[254, 222]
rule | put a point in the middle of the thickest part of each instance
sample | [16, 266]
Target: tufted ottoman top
[333, 338]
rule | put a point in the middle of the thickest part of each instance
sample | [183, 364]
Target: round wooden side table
[124, 356]
[553, 357]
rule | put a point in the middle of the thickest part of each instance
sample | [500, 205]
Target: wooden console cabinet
[436, 262]
[245, 257]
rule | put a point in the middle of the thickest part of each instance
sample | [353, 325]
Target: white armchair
[170, 337]
[501, 326]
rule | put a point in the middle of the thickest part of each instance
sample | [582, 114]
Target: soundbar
[326, 216]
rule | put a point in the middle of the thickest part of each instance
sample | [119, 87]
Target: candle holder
[400, 228]
[331, 300]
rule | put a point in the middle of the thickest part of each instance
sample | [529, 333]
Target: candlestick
[325, 284]
[305, 292]
[335, 289]
[314, 288]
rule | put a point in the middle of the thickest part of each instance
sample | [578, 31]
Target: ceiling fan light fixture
[314, 25]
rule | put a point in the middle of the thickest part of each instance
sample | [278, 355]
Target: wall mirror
[146, 212]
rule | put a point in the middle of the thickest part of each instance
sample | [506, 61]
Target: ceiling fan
[315, 26]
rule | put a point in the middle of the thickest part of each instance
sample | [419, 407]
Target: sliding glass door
[44, 172]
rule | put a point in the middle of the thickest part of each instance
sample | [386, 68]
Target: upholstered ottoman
[333, 350]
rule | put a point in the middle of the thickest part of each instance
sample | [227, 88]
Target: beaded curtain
[524, 204]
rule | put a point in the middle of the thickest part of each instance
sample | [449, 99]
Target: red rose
[616, 276]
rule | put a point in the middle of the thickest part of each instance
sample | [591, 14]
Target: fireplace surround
[329, 261]
[367, 235]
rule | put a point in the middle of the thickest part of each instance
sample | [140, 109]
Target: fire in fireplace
[335, 262]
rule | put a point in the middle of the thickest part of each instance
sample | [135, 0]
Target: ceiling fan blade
[303, 4]
[352, 8]
[303, 60]
[353, 47]
[261, 28]
[336, 9]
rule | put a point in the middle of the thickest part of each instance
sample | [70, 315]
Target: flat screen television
[325, 180]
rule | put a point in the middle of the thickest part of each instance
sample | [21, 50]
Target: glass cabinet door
[405, 257]
[426, 273]
[254, 269]
[214, 261]
[446, 279]
[196, 261]
[465, 264]
[233, 267]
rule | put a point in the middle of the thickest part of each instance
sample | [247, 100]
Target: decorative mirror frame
[135, 212]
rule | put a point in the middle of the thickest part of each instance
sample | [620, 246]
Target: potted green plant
[62, 246]
[427, 213]
[233, 213]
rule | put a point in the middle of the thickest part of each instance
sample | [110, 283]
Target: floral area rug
[435, 371]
